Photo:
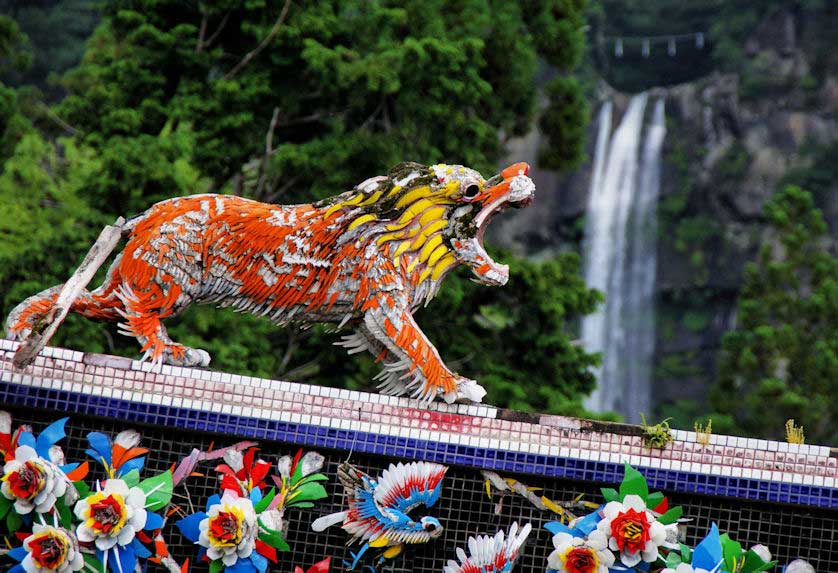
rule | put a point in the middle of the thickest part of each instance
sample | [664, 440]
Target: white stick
[32, 345]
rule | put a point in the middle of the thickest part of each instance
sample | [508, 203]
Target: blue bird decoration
[378, 514]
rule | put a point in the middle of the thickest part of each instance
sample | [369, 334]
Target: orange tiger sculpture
[366, 258]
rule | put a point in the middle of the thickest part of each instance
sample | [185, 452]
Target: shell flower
[35, 474]
[243, 529]
[34, 483]
[633, 530]
[580, 555]
[111, 516]
[229, 530]
[48, 549]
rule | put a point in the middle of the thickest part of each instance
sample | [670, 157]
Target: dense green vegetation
[781, 362]
[288, 102]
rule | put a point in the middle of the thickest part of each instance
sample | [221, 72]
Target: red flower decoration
[224, 528]
[581, 560]
[26, 482]
[48, 551]
[251, 475]
[107, 514]
[631, 530]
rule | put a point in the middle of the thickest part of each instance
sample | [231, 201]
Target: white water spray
[620, 258]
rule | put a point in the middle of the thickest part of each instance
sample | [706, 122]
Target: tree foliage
[292, 102]
[781, 361]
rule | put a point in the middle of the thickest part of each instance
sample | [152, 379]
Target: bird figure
[378, 514]
[490, 554]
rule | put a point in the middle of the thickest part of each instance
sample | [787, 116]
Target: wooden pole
[41, 333]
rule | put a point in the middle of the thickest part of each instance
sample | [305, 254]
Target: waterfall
[619, 256]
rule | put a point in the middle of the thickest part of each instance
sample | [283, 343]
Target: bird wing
[500, 551]
[405, 486]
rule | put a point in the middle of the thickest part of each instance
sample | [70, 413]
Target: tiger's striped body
[366, 258]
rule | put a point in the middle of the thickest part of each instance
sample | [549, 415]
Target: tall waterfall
[620, 257]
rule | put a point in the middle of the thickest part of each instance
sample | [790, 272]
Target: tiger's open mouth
[510, 188]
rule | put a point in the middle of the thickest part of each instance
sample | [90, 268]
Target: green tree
[781, 361]
[287, 102]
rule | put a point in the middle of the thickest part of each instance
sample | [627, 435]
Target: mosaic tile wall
[734, 481]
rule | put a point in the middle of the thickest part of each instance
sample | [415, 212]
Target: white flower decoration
[33, 482]
[51, 550]
[634, 531]
[230, 529]
[111, 516]
[577, 555]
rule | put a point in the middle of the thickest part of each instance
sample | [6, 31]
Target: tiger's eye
[471, 192]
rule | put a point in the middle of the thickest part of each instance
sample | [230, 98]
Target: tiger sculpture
[366, 258]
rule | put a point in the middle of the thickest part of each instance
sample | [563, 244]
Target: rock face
[732, 140]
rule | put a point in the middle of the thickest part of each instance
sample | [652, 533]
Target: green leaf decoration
[300, 505]
[313, 477]
[158, 490]
[673, 560]
[307, 492]
[216, 566]
[65, 516]
[82, 489]
[91, 563]
[671, 516]
[132, 478]
[754, 563]
[654, 499]
[297, 475]
[633, 484]
[610, 494]
[263, 503]
[273, 537]
[13, 521]
[5, 505]
[731, 551]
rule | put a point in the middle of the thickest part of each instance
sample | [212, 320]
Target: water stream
[620, 256]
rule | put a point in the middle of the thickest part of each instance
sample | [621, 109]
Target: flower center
[225, 529]
[631, 530]
[580, 560]
[108, 514]
[49, 551]
[27, 481]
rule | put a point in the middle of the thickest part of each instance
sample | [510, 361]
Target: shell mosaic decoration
[379, 509]
[364, 259]
[486, 554]
[59, 521]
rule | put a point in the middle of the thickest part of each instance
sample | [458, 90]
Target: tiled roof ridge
[481, 436]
